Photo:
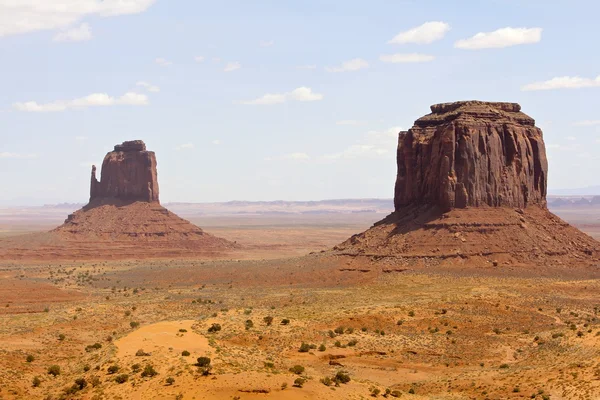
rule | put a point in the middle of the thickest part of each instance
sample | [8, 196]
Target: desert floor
[417, 333]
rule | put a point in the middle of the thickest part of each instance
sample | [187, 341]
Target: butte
[124, 218]
[471, 189]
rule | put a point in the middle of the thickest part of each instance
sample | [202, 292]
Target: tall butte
[124, 210]
[471, 187]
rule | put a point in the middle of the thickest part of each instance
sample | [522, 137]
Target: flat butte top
[471, 110]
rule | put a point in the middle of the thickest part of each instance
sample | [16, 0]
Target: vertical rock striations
[471, 188]
[128, 174]
[472, 154]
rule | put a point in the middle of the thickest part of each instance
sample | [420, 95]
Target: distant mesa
[471, 186]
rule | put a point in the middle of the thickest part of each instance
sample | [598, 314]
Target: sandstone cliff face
[128, 174]
[472, 154]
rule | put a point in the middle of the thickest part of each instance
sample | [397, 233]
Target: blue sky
[266, 100]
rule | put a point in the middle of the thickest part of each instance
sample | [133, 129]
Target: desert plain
[281, 317]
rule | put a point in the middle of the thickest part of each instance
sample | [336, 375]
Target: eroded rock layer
[128, 173]
[471, 188]
[472, 153]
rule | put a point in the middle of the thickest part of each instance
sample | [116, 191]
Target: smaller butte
[124, 216]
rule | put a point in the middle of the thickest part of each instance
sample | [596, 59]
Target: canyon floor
[278, 320]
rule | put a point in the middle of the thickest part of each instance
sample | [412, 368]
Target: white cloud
[266, 43]
[216, 59]
[299, 94]
[24, 16]
[186, 146]
[351, 65]
[232, 66]
[290, 157]
[427, 33]
[92, 100]
[79, 34]
[305, 94]
[148, 87]
[80, 139]
[349, 122]
[199, 59]
[563, 82]
[163, 62]
[311, 66]
[504, 37]
[5, 154]
[374, 144]
[406, 58]
[268, 99]
[216, 142]
[571, 138]
[587, 123]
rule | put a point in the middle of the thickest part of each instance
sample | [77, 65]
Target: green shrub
[297, 369]
[81, 383]
[61, 337]
[170, 380]
[134, 324]
[113, 369]
[341, 377]
[214, 328]
[326, 381]
[339, 330]
[149, 371]
[352, 343]
[203, 362]
[285, 321]
[268, 320]
[183, 330]
[322, 347]
[30, 358]
[136, 368]
[36, 382]
[249, 324]
[54, 370]
[304, 348]
[411, 313]
[299, 382]
[121, 378]
[185, 353]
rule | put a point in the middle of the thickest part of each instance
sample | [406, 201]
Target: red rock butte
[471, 187]
[124, 218]
[128, 173]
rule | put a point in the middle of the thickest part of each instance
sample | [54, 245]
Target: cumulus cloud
[163, 62]
[351, 65]
[24, 16]
[266, 43]
[232, 66]
[79, 34]
[6, 154]
[185, 146]
[148, 87]
[290, 157]
[299, 94]
[216, 142]
[406, 58]
[563, 82]
[373, 144]
[587, 123]
[427, 33]
[504, 37]
[199, 59]
[92, 100]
